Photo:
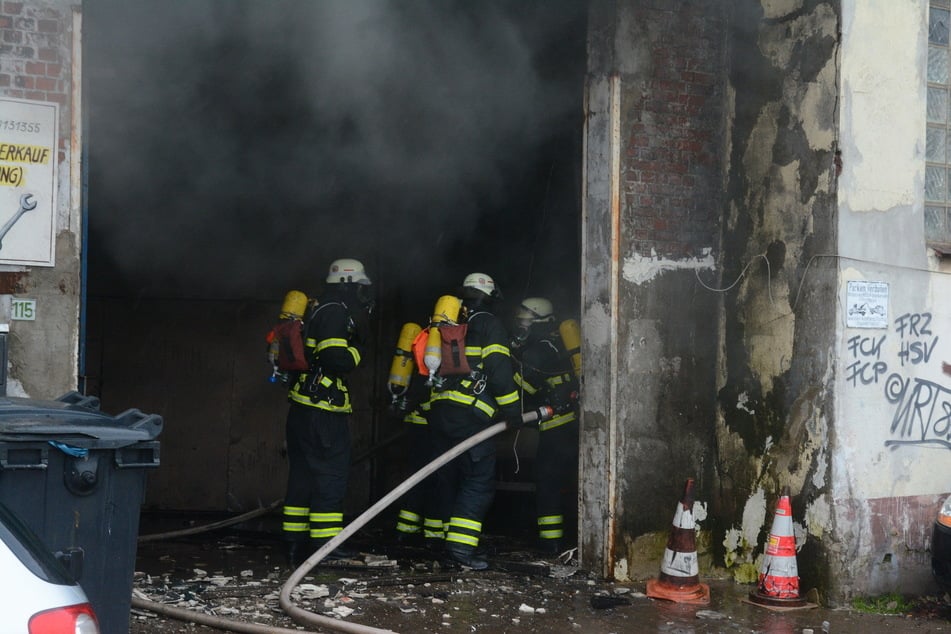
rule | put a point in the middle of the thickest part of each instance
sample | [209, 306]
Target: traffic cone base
[697, 593]
[777, 605]
[679, 575]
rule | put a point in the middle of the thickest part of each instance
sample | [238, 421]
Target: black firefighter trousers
[318, 465]
[464, 487]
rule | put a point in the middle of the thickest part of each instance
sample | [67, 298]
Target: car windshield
[30, 550]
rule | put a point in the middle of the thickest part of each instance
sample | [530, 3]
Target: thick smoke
[237, 147]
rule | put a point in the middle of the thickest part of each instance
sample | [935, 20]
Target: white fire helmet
[347, 270]
[480, 282]
[535, 310]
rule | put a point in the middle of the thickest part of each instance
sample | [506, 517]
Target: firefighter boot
[337, 554]
[297, 552]
[465, 555]
[548, 547]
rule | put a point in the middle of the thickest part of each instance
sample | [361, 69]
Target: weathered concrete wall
[652, 199]
[40, 61]
[890, 466]
[776, 366]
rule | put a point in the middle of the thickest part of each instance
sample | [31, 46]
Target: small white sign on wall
[23, 310]
[28, 160]
[867, 305]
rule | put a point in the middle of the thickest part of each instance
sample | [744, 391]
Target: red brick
[58, 97]
[47, 84]
[13, 8]
[35, 68]
[35, 95]
[5, 22]
[48, 26]
[23, 81]
[5, 80]
[48, 55]
[54, 70]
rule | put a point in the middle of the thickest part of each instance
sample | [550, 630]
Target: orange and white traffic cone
[778, 584]
[679, 578]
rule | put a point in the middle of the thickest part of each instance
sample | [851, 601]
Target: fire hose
[303, 617]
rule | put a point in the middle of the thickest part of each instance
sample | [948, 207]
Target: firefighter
[464, 405]
[544, 373]
[419, 521]
[318, 431]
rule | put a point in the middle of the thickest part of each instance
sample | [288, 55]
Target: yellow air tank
[446, 311]
[401, 370]
[295, 305]
[570, 333]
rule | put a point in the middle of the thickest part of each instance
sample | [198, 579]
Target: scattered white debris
[526, 609]
[311, 591]
[198, 572]
[342, 611]
[246, 574]
[710, 614]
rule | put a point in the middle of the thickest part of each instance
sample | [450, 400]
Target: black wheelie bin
[77, 476]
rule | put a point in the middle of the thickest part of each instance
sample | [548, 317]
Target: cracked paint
[741, 542]
[818, 518]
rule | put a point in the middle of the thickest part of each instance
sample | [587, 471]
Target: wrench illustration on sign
[26, 204]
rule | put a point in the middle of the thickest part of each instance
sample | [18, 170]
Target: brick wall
[34, 54]
[671, 180]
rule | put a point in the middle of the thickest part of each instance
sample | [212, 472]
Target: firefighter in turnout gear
[419, 521]
[464, 405]
[318, 419]
[545, 377]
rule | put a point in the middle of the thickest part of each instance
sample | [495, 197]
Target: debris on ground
[410, 590]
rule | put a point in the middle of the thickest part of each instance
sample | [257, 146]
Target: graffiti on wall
[921, 413]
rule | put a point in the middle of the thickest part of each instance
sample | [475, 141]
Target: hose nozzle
[539, 415]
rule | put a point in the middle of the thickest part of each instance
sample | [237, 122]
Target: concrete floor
[238, 576]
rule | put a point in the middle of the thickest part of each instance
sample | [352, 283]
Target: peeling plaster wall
[651, 207]
[822, 173]
[891, 465]
[44, 65]
[775, 366]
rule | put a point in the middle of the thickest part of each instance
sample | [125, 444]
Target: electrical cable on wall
[805, 274]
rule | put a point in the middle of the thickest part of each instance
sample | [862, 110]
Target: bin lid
[75, 420]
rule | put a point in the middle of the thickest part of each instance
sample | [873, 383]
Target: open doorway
[236, 148]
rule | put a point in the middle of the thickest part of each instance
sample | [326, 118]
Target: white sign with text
[28, 159]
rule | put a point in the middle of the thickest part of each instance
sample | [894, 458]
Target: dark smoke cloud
[237, 147]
